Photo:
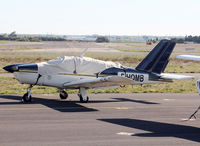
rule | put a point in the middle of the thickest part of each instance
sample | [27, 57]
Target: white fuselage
[47, 80]
[59, 80]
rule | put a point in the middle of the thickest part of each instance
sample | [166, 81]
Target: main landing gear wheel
[83, 100]
[63, 94]
[83, 96]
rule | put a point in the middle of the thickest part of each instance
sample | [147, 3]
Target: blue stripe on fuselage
[116, 71]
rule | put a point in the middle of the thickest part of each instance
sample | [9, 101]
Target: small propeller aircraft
[73, 72]
[193, 58]
[189, 57]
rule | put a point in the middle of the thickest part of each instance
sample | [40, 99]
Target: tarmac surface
[107, 120]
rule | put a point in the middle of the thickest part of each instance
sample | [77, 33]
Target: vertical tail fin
[157, 60]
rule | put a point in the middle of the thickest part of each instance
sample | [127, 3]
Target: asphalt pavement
[107, 120]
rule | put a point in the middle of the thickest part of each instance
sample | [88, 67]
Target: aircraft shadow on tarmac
[62, 106]
[67, 106]
[158, 129]
[123, 100]
[133, 100]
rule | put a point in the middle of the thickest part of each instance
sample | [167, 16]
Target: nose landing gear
[27, 96]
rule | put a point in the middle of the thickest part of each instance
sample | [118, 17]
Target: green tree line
[14, 37]
[194, 39]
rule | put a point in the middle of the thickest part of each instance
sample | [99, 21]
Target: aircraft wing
[99, 82]
[189, 57]
[175, 76]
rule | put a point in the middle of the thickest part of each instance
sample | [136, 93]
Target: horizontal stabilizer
[175, 76]
[189, 57]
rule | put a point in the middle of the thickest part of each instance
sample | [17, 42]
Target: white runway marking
[166, 99]
[125, 133]
[184, 119]
[122, 108]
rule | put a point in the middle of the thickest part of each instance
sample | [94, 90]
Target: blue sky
[106, 17]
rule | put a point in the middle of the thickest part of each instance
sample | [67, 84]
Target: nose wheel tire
[63, 95]
[26, 98]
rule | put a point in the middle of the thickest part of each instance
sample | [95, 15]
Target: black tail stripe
[157, 60]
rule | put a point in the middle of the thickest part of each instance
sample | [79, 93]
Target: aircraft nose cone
[11, 68]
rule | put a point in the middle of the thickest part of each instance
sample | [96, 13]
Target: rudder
[157, 60]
